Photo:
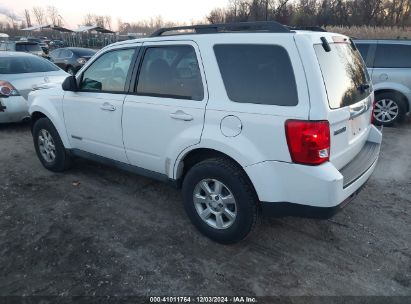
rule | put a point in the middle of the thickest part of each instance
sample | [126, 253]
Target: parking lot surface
[96, 230]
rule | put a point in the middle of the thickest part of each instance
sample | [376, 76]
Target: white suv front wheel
[49, 147]
[220, 200]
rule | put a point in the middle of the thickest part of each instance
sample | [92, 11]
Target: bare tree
[28, 17]
[12, 17]
[53, 15]
[40, 15]
[88, 19]
[216, 16]
[107, 21]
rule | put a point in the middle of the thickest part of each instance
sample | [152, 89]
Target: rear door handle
[358, 110]
[107, 107]
[181, 115]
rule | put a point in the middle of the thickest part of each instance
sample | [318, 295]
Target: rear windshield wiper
[363, 87]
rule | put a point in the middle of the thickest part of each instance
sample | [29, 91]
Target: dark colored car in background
[42, 43]
[23, 46]
[71, 59]
[55, 44]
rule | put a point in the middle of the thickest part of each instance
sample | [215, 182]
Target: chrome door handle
[107, 107]
[181, 115]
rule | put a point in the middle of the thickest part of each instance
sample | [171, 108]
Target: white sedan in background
[20, 73]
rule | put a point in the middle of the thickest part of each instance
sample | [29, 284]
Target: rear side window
[20, 65]
[171, 72]
[260, 74]
[393, 56]
[363, 48]
[344, 73]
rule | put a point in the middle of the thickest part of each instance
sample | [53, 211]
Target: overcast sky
[128, 10]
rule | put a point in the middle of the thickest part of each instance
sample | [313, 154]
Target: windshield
[26, 47]
[345, 77]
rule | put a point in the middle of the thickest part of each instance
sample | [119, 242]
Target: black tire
[62, 160]
[234, 178]
[399, 102]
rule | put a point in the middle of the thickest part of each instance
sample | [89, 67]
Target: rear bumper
[289, 209]
[308, 188]
[13, 109]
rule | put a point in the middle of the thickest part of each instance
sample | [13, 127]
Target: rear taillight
[6, 89]
[308, 141]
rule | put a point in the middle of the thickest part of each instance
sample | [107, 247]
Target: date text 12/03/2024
[203, 299]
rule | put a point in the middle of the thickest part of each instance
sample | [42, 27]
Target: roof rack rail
[308, 28]
[260, 26]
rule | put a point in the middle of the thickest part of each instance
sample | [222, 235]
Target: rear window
[393, 56]
[66, 53]
[55, 53]
[26, 47]
[20, 65]
[344, 73]
[260, 74]
[84, 52]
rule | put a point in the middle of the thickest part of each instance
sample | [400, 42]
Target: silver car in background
[389, 65]
[20, 73]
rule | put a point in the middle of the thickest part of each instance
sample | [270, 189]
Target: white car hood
[46, 85]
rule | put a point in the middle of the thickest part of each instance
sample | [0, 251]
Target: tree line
[317, 12]
[346, 13]
[37, 15]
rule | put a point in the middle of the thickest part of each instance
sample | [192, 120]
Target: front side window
[393, 56]
[171, 71]
[108, 72]
[260, 74]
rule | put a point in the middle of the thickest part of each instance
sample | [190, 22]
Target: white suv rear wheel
[220, 200]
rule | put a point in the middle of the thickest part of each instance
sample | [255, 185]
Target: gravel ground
[95, 230]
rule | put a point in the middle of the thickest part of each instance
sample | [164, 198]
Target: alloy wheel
[46, 146]
[386, 110]
[215, 203]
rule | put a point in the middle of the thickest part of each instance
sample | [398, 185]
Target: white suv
[245, 118]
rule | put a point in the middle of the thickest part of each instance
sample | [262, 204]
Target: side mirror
[70, 84]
